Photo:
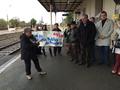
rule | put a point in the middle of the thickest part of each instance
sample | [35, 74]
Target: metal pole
[74, 16]
[55, 17]
[51, 17]
[7, 22]
[115, 9]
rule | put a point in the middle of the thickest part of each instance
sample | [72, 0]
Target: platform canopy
[61, 5]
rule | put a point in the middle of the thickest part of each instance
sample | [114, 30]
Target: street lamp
[8, 23]
[8, 26]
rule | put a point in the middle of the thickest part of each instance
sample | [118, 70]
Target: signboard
[49, 38]
[65, 14]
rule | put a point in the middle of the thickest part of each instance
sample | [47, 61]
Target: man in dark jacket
[57, 49]
[87, 32]
[28, 52]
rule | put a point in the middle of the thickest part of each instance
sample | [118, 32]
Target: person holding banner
[39, 28]
[28, 52]
[44, 28]
[57, 49]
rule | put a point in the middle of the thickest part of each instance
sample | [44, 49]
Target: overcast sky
[25, 10]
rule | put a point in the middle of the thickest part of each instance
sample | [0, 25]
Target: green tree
[3, 23]
[28, 24]
[69, 18]
[14, 22]
[22, 24]
[33, 22]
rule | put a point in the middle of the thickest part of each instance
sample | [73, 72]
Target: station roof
[61, 5]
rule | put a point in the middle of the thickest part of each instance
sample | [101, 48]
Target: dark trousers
[43, 50]
[104, 54]
[28, 65]
[116, 67]
[50, 50]
[57, 50]
[85, 54]
[93, 53]
[74, 51]
[39, 50]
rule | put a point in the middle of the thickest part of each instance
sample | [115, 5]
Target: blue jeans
[104, 54]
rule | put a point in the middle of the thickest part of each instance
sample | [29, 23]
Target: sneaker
[60, 54]
[81, 63]
[77, 62]
[28, 77]
[43, 73]
[71, 60]
[113, 72]
[88, 65]
[119, 73]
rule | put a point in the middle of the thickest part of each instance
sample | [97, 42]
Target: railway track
[8, 36]
[9, 44]
[10, 49]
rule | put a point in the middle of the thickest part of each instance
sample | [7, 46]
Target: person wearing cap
[57, 50]
[28, 52]
[86, 34]
[92, 19]
[73, 39]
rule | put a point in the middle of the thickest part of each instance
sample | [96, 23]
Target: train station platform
[62, 75]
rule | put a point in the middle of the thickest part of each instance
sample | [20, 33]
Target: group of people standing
[82, 41]
[56, 50]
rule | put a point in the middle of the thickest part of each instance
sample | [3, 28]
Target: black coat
[73, 35]
[28, 47]
[87, 33]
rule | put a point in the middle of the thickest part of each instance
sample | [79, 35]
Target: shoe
[100, 63]
[60, 54]
[28, 77]
[109, 65]
[72, 60]
[81, 64]
[118, 73]
[88, 65]
[45, 55]
[76, 62]
[113, 72]
[43, 73]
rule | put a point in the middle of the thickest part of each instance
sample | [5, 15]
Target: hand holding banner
[49, 38]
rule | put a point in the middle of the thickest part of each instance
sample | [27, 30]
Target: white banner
[49, 38]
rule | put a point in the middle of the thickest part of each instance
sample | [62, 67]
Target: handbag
[117, 44]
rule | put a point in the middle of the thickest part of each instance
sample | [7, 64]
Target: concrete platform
[62, 75]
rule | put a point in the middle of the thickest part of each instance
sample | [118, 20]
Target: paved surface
[62, 75]
[8, 32]
[6, 58]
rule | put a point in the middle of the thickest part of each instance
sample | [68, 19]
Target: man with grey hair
[86, 34]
